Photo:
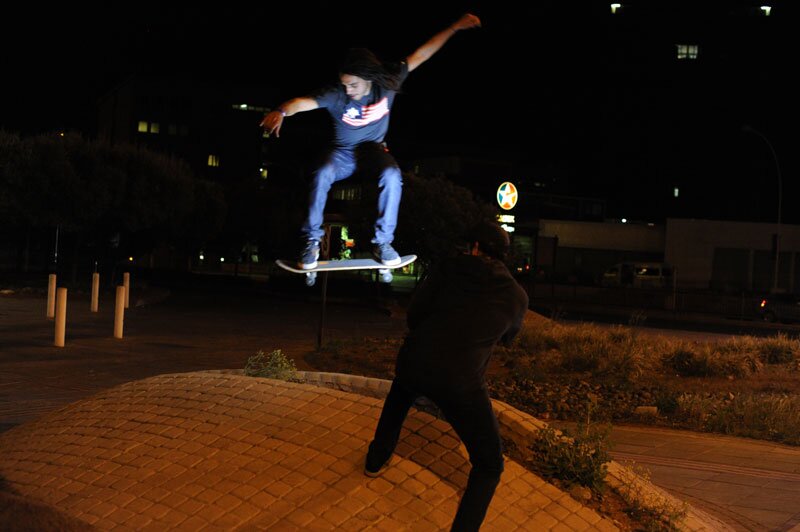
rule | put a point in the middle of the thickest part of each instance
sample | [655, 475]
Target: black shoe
[375, 470]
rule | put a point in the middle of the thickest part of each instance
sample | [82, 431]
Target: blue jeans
[471, 416]
[341, 164]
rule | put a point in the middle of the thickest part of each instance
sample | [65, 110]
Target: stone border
[521, 428]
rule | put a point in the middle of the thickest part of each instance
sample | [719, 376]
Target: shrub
[579, 460]
[707, 360]
[764, 416]
[535, 339]
[778, 350]
[274, 366]
[686, 362]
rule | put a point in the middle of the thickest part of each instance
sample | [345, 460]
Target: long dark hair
[364, 64]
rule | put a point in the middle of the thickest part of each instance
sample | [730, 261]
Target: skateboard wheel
[386, 276]
[311, 278]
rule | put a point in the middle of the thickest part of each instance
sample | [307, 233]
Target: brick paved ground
[186, 333]
[205, 451]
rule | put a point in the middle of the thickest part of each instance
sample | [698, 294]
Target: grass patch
[744, 386]
[764, 416]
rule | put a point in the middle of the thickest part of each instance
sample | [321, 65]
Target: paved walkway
[752, 484]
[205, 451]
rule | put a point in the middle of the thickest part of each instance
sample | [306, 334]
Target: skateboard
[384, 271]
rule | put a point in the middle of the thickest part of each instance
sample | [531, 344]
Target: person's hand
[466, 22]
[272, 122]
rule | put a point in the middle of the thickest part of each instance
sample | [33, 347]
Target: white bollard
[119, 312]
[95, 291]
[51, 296]
[61, 317]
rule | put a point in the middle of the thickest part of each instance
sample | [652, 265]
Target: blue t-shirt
[361, 121]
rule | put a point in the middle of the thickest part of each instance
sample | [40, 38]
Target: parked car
[638, 275]
[780, 307]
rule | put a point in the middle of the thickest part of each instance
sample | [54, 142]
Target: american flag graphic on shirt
[369, 114]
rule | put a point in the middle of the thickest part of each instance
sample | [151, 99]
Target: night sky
[589, 103]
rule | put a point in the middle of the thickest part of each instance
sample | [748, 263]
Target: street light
[749, 129]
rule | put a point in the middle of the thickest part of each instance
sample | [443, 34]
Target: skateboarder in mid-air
[360, 105]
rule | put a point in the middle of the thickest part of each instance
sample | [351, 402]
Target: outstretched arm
[273, 120]
[426, 51]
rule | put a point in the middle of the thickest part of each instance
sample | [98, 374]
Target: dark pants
[471, 416]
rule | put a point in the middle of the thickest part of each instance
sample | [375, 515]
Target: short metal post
[95, 292]
[61, 317]
[119, 312]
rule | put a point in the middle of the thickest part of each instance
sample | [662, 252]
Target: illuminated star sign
[507, 195]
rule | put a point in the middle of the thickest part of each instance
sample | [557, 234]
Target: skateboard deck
[343, 265]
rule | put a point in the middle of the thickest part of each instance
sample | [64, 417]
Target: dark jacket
[457, 315]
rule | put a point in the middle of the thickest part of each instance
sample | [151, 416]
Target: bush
[535, 340]
[273, 366]
[778, 350]
[580, 460]
[773, 417]
[706, 360]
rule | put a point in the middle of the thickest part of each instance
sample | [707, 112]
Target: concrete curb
[521, 428]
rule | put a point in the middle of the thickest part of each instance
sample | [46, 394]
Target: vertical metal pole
[674, 289]
[324, 254]
[321, 332]
[750, 129]
[126, 282]
[51, 295]
[55, 251]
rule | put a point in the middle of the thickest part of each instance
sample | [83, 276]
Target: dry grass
[744, 386]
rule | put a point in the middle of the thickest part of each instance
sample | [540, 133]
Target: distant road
[678, 334]
[663, 321]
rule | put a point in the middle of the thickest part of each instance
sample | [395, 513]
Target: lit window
[687, 51]
[248, 107]
[213, 160]
[154, 128]
[263, 173]
[143, 126]
[347, 194]
[676, 192]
